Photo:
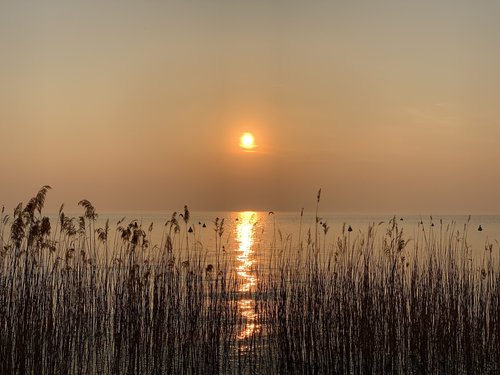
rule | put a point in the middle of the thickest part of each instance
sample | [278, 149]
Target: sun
[247, 141]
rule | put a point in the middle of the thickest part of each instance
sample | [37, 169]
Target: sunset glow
[250, 187]
[235, 101]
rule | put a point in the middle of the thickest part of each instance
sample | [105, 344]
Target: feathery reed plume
[318, 197]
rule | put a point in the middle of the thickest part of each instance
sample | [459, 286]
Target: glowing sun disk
[247, 141]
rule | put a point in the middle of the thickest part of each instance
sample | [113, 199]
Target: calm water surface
[248, 238]
[261, 230]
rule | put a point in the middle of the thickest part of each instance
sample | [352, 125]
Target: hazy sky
[388, 106]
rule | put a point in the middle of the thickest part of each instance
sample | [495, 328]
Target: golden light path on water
[245, 259]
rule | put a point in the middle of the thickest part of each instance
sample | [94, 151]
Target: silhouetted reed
[429, 309]
[76, 300]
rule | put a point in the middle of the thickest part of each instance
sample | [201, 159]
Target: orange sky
[388, 106]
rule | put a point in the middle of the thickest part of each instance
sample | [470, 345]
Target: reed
[76, 300]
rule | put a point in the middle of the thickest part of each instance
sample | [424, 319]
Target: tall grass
[75, 300]
[428, 309]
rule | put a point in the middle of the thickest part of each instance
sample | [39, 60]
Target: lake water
[247, 239]
[284, 228]
[249, 242]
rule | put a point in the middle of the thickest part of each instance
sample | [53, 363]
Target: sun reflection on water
[245, 260]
